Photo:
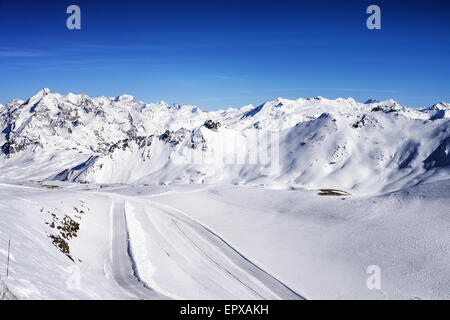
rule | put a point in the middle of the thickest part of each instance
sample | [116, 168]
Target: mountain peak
[44, 92]
[125, 97]
[40, 94]
[440, 106]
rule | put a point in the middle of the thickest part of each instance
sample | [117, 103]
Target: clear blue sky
[227, 53]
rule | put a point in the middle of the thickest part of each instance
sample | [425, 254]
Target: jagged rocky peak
[440, 106]
[39, 95]
[43, 92]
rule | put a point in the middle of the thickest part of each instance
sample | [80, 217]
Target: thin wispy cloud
[86, 48]
[337, 89]
[21, 53]
[222, 77]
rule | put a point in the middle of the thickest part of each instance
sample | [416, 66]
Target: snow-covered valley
[225, 242]
[113, 198]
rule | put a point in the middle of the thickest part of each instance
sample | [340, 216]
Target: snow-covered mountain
[198, 216]
[314, 143]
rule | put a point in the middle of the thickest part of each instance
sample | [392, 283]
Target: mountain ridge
[361, 147]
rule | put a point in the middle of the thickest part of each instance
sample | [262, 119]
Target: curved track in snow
[123, 264]
[186, 259]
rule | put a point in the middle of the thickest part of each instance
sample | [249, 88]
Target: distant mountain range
[362, 148]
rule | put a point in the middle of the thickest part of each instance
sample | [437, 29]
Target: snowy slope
[222, 242]
[122, 247]
[322, 246]
[315, 143]
[174, 202]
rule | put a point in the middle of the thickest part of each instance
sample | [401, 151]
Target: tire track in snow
[216, 263]
[252, 274]
[124, 268]
[226, 259]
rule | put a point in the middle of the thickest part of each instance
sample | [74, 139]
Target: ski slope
[200, 261]
[155, 252]
[225, 242]
[124, 267]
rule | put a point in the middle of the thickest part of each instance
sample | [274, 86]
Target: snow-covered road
[123, 263]
[152, 243]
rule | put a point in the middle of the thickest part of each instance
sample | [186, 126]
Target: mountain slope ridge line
[315, 143]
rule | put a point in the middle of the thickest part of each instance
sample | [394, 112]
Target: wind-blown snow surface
[173, 202]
